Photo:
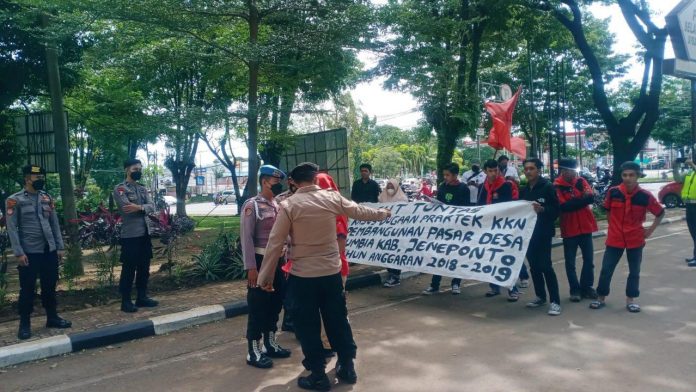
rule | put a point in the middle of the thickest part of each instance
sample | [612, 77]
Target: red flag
[499, 136]
[518, 147]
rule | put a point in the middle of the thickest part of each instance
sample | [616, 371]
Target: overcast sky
[392, 107]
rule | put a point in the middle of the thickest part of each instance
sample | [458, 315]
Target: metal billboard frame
[328, 149]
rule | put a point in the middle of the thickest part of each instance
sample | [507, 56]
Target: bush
[220, 260]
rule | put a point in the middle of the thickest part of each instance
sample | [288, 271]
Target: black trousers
[435, 281]
[541, 268]
[315, 299]
[45, 267]
[691, 223]
[570, 250]
[394, 272]
[612, 256]
[265, 307]
[136, 254]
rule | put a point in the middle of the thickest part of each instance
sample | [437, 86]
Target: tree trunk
[253, 115]
[62, 149]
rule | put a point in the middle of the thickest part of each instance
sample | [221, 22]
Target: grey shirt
[133, 224]
[32, 223]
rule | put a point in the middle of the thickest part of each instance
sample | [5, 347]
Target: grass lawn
[217, 223]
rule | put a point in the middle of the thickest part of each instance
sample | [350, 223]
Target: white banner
[485, 243]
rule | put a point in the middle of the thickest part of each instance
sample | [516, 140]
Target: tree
[435, 50]
[386, 161]
[673, 128]
[628, 133]
[255, 34]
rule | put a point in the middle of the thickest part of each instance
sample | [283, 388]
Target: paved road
[201, 209]
[440, 343]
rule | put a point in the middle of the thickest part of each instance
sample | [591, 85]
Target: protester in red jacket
[627, 205]
[575, 197]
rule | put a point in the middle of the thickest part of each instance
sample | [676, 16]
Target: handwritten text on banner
[485, 243]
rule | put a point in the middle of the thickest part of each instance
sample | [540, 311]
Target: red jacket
[575, 200]
[627, 213]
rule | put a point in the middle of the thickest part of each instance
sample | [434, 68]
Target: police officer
[134, 204]
[32, 224]
[258, 216]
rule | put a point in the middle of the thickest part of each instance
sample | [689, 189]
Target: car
[227, 197]
[656, 164]
[670, 194]
[170, 200]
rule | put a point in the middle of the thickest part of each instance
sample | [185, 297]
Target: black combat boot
[55, 321]
[345, 371]
[127, 305]
[317, 381]
[24, 332]
[271, 347]
[144, 301]
[255, 357]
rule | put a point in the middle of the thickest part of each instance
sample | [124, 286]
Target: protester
[688, 196]
[627, 205]
[541, 193]
[133, 201]
[393, 194]
[37, 243]
[474, 178]
[365, 190]
[326, 182]
[575, 197]
[315, 280]
[259, 213]
[509, 172]
[451, 192]
[496, 189]
[426, 189]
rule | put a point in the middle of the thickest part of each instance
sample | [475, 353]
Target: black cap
[630, 165]
[567, 163]
[33, 169]
[503, 158]
[130, 162]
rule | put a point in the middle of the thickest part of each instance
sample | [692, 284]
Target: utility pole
[62, 145]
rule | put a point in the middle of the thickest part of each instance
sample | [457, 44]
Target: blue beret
[272, 171]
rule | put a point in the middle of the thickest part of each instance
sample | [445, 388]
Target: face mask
[277, 189]
[136, 175]
[391, 192]
[38, 184]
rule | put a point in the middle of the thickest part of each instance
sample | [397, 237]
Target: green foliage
[221, 260]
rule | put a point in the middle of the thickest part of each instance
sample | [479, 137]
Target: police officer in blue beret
[32, 224]
[258, 216]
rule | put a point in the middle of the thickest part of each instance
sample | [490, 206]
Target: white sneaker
[523, 283]
[456, 290]
[554, 309]
[430, 291]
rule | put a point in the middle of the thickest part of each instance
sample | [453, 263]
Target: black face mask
[136, 175]
[38, 184]
[277, 189]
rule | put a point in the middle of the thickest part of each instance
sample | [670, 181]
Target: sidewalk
[103, 325]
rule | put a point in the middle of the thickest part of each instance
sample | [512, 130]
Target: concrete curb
[63, 344]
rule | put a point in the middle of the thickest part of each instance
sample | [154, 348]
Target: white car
[170, 200]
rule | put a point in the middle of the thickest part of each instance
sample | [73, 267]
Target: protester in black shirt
[541, 192]
[454, 193]
[365, 190]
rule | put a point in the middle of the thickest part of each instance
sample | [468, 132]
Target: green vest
[689, 188]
